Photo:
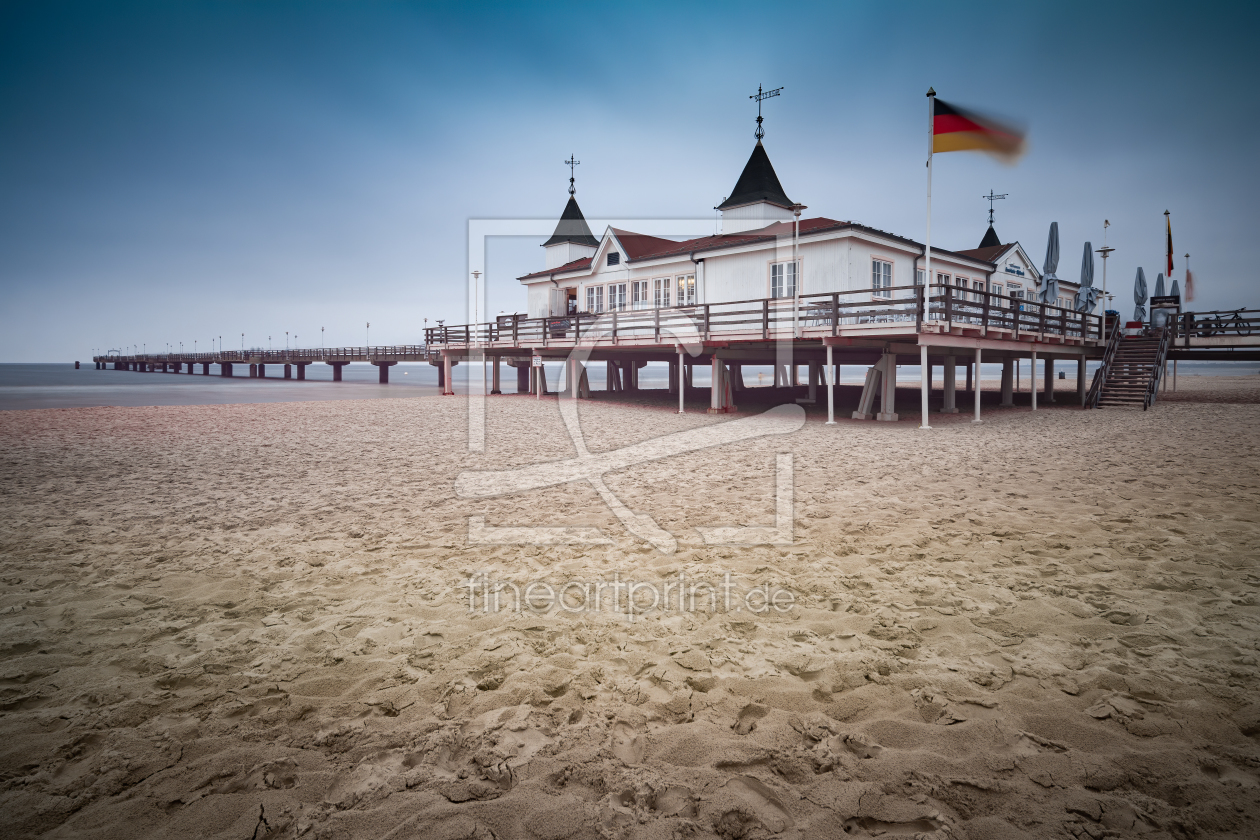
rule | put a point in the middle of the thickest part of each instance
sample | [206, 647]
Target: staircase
[1132, 377]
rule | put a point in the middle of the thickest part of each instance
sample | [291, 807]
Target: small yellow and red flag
[955, 129]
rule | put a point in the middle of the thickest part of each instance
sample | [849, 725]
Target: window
[660, 292]
[594, 298]
[614, 258]
[918, 277]
[641, 298]
[996, 288]
[686, 290]
[783, 279]
[617, 296]
[942, 279]
[979, 287]
[881, 278]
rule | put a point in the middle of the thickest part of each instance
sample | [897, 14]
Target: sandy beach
[1043, 626]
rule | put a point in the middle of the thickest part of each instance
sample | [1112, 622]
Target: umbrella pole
[927, 264]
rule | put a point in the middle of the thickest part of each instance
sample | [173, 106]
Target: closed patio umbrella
[1087, 297]
[1139, 295]
[1049, 280]
[1175, 291]
[1159, 284]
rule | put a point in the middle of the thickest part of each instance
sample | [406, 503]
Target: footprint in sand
[626, 745]
[763, 807]
[746, 720]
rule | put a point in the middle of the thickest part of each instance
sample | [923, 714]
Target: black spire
[757, 183]
[990, 238]
[572, 227]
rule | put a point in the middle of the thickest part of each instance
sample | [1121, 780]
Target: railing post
[614, 329]
[984, 320]
[835, 313]
[706, 322]
[656, 324]
[949, 307]
[920, 307]
[1041, 318]
[765, 319]
[516, 322]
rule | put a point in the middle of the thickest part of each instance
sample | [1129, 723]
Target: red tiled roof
[584, 262]
[639, 246]
[984, 254]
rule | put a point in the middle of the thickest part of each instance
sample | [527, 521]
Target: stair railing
[1157, 373]
[1100, 375]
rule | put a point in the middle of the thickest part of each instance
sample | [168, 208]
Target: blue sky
[176, 172]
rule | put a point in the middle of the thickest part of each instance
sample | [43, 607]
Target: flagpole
[927, 266]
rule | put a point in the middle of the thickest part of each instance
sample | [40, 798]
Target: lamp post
[1105, 252]
[367, 335]
[796, 271]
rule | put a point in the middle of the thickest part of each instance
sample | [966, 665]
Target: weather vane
[759, 96]
[572, 162]
[992, 198]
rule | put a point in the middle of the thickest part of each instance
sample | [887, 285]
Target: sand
[1043, 626]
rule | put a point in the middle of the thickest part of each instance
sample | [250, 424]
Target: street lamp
[796, 270]
[1105, 252]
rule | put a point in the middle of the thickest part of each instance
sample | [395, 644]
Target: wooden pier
[938, 325]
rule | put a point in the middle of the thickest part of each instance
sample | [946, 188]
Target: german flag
[957, 130]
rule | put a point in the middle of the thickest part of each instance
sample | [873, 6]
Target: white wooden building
[752, 258]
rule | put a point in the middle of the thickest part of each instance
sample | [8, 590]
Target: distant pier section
[284, 364]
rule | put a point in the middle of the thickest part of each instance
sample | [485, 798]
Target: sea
[60, 385]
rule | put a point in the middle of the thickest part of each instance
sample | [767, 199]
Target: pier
[937, 326]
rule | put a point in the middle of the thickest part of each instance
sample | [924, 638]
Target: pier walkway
[879, 328]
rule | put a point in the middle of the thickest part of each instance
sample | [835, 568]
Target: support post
[1080, 379]
[874, 380]
[1008, 383]
[522, 377]
[969, 380]
[831, 389]
[924, 385]
[1032, 379]
[977, 419]
[888, 398]
[447, 389]
[813, 382]
[495, 379]
[951, 375]
[1049, 365]
[337, 366]
[205, 368]
[681, 393]
[253, 371]
[288, 371]
[301, 372]
[225, 369]
[262, 371]
[383, 374]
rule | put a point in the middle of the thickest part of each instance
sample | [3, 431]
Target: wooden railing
[1100, 375]
[296, 355]
[1152, 388]
[765, 318]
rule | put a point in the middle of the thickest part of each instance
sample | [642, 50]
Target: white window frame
[641, 294]
[685, 291]
[616, 296]
[595, 299]
[661, 287]
[881, 281]
[785, 276]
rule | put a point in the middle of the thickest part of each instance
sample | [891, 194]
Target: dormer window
[614, 258]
